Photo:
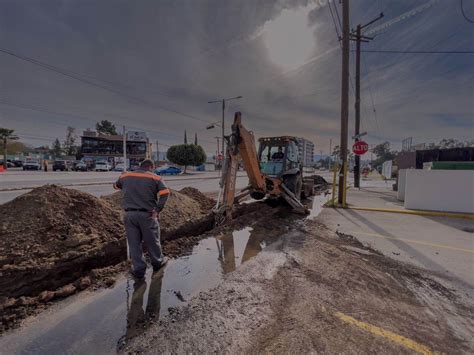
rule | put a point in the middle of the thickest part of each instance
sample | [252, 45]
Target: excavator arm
[241, 147]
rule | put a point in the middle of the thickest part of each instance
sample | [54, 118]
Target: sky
[154, 65]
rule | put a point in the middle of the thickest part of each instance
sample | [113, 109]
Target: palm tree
[5, 135]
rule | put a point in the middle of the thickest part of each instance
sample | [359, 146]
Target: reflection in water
[242, 245]
[136, 315]
[99, 321]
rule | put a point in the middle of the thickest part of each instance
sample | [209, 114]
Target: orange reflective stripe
[141, 175]
[164, 192]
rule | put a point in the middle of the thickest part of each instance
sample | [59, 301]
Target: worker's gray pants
[141, 227]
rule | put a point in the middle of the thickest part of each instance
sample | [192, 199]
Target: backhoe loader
[274, 172]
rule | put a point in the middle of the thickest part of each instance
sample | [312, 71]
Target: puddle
[96, 322]
[317, 205]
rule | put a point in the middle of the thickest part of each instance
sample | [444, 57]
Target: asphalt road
[440, 244]
[15, 183]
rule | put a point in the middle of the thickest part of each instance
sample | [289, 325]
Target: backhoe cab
[274, 171]
[279, 159]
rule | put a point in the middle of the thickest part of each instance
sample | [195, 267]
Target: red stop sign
[360, 148]
[220, 157]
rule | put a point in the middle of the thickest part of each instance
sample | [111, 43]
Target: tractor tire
[295, 184]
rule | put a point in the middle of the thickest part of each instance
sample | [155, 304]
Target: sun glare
[288, 38]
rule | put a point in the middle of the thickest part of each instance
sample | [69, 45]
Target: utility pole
[223, 117]
[359, 38]
[218, 164]
[330, 153]
[124, 133]
[344, 98]
[157, 153]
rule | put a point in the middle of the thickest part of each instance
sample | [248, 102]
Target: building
[306, 151]
[97, 146]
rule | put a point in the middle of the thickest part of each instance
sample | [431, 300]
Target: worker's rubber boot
[163, 263]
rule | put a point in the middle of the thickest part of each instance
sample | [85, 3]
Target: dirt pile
[55, 231]
[52, 237]
[187, 212]
[56, 241]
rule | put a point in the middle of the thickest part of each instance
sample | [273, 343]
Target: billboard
[136, 136]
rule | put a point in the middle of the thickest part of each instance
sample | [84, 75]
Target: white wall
[402, 178]
[440, 190]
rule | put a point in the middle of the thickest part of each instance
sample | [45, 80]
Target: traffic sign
[360, 148]
[220, 157]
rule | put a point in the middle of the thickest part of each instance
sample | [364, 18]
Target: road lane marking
[469, 216]
[471, 251]
[396, 338]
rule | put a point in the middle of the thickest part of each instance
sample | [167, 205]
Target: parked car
[17, 163]
[62, 165]
[9, 164]
[32, 165]
[118, 167]
[102, 166]
[168, 170]
[81, 166]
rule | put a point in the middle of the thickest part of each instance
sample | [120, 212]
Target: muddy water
[100, 322]
[96, 322]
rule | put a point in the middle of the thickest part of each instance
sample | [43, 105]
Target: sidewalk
[440, 244]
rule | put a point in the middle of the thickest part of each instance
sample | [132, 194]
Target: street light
[212, 125]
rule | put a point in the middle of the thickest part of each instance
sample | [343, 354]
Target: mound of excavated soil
[50, 235]
[185, 212]
[55, 241]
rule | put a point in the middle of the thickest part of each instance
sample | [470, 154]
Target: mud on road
[317, 291]
[55, 242]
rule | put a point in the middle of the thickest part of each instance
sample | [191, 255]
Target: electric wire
[89, 82]
[46, 110]
[464, 13]
[416, 52]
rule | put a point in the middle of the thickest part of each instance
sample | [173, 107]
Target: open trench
[104, 320]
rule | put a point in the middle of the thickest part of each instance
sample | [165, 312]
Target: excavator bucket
[293, 200]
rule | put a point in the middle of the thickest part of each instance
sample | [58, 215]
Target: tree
[186, 154]
[56, 147]
[6, 135]
[69, 144]
[15, 147]
[106, 127]
[336, 152]
[447, 143]
[383, 153]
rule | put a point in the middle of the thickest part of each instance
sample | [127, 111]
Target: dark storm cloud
[180, 54]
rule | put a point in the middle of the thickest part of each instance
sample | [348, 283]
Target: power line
[334, 22]
[416, 52]
[372, 98]
[46, 110]
[337, 14]
[464, 13]
[89, 82]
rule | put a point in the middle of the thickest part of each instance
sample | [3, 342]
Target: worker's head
[147, 164]
[280, 149]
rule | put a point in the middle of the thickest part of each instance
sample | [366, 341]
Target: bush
[186, 154]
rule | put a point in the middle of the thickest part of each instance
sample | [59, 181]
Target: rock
[85, 282]
[65, 291]
[46, 296]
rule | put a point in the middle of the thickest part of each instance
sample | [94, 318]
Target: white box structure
[440, 190]
[402, 178]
